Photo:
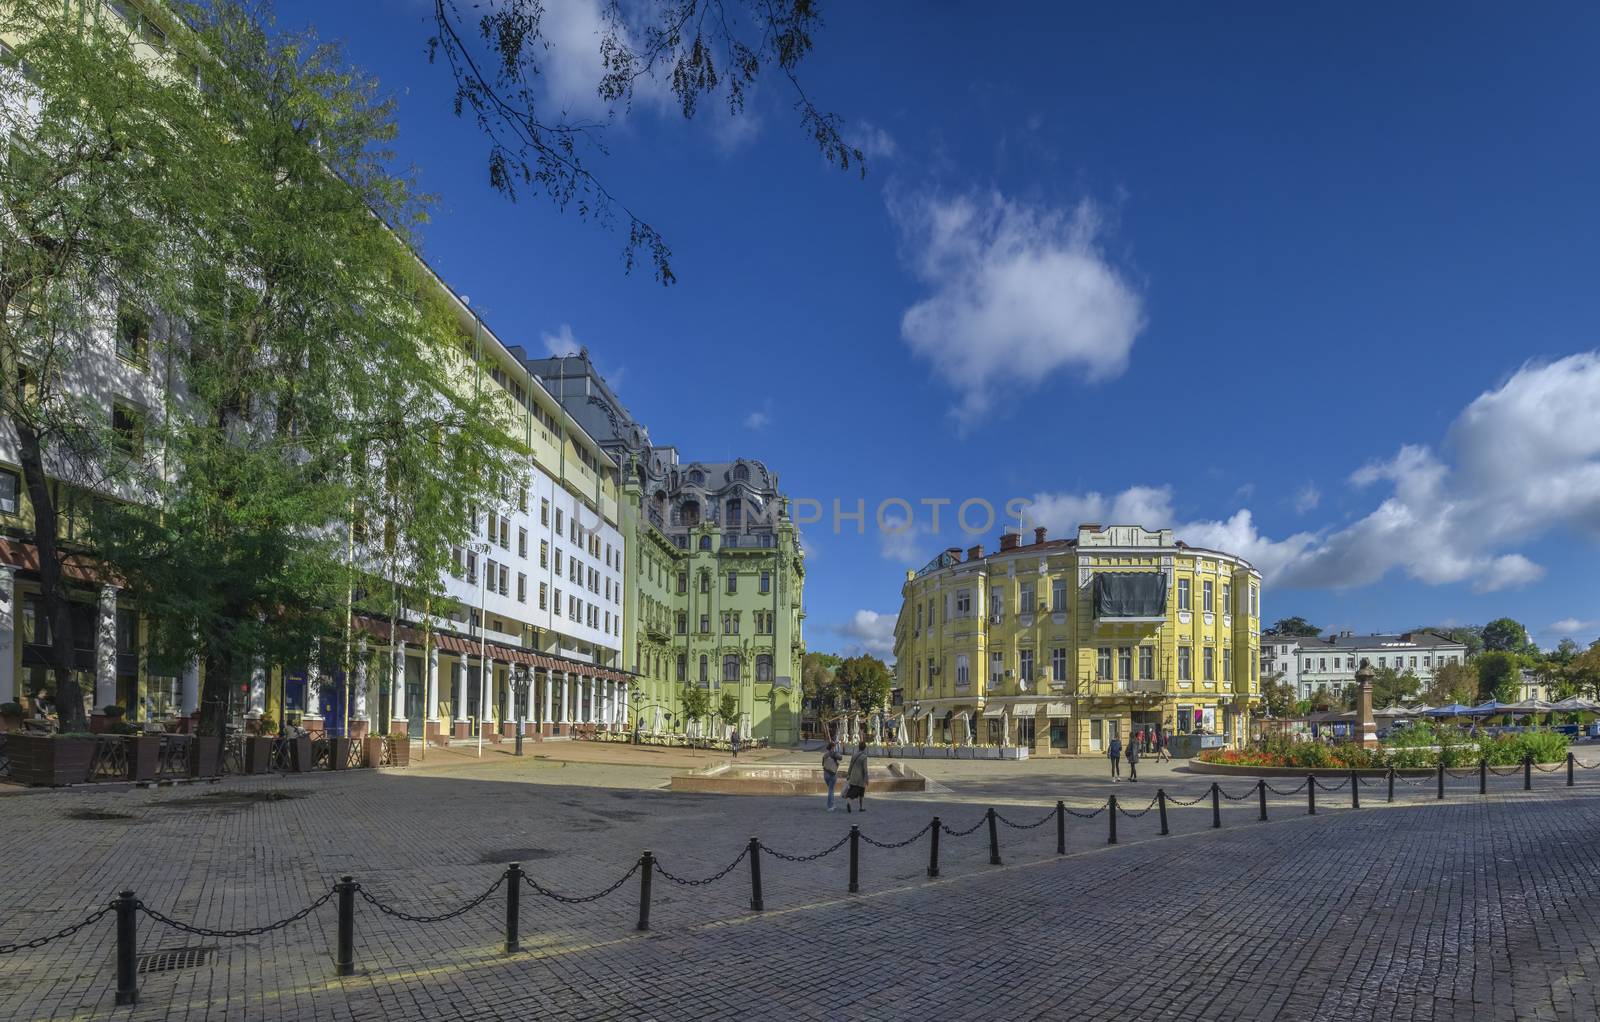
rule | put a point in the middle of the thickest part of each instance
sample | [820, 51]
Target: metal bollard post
[345, 963]
[647, 866]
[1111, 814]
[994, 841]
[855, 858]
[1216, 805]
[1061, 827]
[513, 907]
[1161, 804]
[1391, 784]
[1261, 790]
[1441, 773]
[1569, 769]
[1483, 776]
[755, 876]
[1355, 791]
[1527, 772]
[127, 907]
[1311, 794]
[933, 849]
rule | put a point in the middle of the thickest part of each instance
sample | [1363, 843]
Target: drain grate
[175, 958]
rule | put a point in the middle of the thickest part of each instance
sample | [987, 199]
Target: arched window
[741, 474]
[705, 542]
[689, 512]
[697, 477]
[735, 513]
[764, 668]
[730, 669]
[705, 668]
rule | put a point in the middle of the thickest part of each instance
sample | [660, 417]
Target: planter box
[258, 754]
[48, 760]
[400, 750]
[339, 753]
[372, 750]
[144, 757]
[205, 756]
[300, 754]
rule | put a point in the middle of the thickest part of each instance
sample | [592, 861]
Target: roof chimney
[954, 552]
[975, 552]
[1010, 539]
[1038, 534]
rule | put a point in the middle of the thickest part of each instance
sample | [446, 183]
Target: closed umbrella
[1450, 710]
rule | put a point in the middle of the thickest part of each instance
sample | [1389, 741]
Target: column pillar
[586, 707]
[622, 704]
[397, 686]
[105, 659]
[258, 690]
[549, 705]
[488, 707]
[458, 689]
[358, 706]
[191, 687]
[312, 714]
[566, 697]
[430, 709]
[8, 634]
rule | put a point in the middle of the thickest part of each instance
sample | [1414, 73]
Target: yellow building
[1061, 645]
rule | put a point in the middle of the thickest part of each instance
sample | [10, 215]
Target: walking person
[1162, 755]
[1133, 761]
[734, 741]
[830, 769]
[1115, 752]
[856, 779]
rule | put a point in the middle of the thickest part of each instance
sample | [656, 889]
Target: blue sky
[1317, 287]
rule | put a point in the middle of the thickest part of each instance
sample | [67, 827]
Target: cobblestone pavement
[1469, 908]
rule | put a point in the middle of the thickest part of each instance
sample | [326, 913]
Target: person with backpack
[830, 769]
[1115, 752]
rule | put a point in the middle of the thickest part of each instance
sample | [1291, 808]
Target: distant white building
[1329, 663]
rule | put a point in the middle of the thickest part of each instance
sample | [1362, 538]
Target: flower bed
[1419, 746]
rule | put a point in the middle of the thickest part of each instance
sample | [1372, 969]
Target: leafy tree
[1505, 635]
[817, 678]
[693, 49]
[93, 193]
[1565, 652]
[334, 436]
[1470, 636]
[696, 702]
[1294, 626]
[865, 681]
[1452, 683]
[1582, 675]
[728, 708]
[1388, 686]
[1278, 696]
[1499, 674]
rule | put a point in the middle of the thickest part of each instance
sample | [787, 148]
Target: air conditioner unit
[933, 670]
[1011, 674]
[995, 619]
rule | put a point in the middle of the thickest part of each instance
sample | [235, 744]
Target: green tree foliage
[1498, 676]
[1470, 636]
[1388, 686]
[1278, 696]
[728, 708]
[696, 702]
[1294, 626]
[1505, 635]
[817, 678]
[336, 431]
[1452, 683]
[864, 681]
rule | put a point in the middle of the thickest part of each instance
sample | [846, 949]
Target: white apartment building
[1329, 662]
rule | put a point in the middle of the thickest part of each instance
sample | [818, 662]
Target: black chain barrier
[65, 931]
[963, 833]
[1415, 783]
[907, 841]
[1040, 822]
[1507, 771]
[441, 917]
[1134, 814]
[252, 931]
[583, 899]
[1297, 789]
[1083, 815]
[1249, 793]
[814, 855]
[1175, 800]
[1549, 769]
[713, 878]
[1332, 787]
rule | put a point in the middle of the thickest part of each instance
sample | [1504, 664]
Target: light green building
[715, 575]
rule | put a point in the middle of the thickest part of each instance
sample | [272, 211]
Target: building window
[10, 488]
[930, 612]
[705, 542]
[1183, 594]
[963, 678]
[127, 428]
[764, 668]
[705, 624]
[505, 580]
[505, 534]
[1103, 664]
[1184, 672]
[522, 588]
[1206, 595]
[1208, 662]
[997, 669]
[730, 670]
[544, 553]
[1254, 607]
[705, 581]
[472, 567]
[544, 591]
[559, 521]
[705, 669]
[1058, 664]
[733, 582]
[522, 498]
[1058, 596]
[1025, 600]
[683, 581]
[1147, 663]
[919, 617]
[1025, 666]
[963, 602]
[766, 582]
[683, 667]
[1227, 598]
[1227, 664]
[735, 513]
[997, 603]
[544, 511]
[522, 543]
[1124, 663]
[1322, 663]
[133, 334]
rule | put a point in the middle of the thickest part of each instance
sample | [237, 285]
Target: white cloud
[1018, 293]
[1526, 461]
[867, 632]
[562, 342]
[904, 541]
[873, 141]
[1306, 498]
[1571, 627]
[571, 64]
[761, 418]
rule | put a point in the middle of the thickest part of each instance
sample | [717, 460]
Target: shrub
[114, 712]
[10, 709]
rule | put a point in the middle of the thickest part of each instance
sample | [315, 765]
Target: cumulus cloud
[873, 141]
[562, 342]
[904, 540]
[1306, 498]
[1571, 627]
[761, 418]
[867, 632]
[1018, 292]
[1521, 460]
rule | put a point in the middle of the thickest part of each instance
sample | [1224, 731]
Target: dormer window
[741, 474]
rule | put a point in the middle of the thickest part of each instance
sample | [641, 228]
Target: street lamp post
[520, 680]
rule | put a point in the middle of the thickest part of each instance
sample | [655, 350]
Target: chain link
[897, 844]
[1135, 814]
[568, 899]
[441, 917]
[1046, 818]
[1175, 800]
[1549, 769]
[814, 855]
[963, 833]
[66, 931]
[1292, 791]
[1250, 793]
[1508, 772]
[254, 931]
[1086, 816]
[1419, 782]
[1332, 787]
[1581, 765]
[1463, 771]
[713, 878]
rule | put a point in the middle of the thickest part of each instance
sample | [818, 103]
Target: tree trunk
[57, 607]
[214, 692]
